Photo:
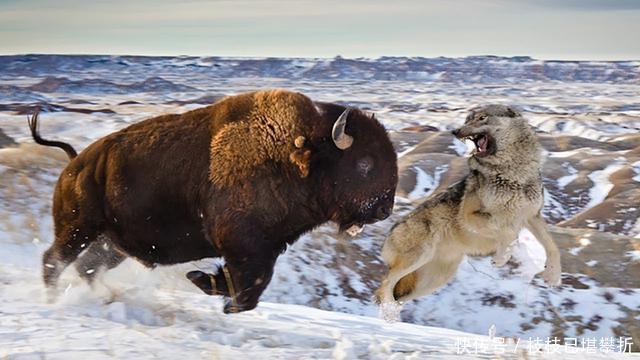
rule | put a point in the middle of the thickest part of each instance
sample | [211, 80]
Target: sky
[544, 29]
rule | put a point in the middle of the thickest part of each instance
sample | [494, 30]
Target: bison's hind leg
[70, 241]
[99, 256]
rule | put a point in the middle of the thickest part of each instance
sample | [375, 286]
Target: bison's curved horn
[340, 138]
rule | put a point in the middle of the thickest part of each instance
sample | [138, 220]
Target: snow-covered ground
[588, 115]
[135, 313]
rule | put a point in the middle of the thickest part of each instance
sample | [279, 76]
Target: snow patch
[460, 147]
[567, 179]
[426, 183]
[634, 255]
[528, 251]
[636, 169]
[601, 185]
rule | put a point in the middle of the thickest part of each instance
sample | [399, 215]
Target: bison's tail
[33, 125]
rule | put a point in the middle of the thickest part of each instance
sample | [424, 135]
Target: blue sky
[547, 29]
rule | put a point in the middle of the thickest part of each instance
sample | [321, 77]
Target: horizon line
[559, 59]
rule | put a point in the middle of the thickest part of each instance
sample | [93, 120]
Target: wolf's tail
[33, 125]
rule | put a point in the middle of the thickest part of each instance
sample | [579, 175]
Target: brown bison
[240, 179]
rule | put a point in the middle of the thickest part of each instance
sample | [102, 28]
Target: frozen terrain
[588, 117]
[158, 315]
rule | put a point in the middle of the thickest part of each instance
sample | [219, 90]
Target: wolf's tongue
[482, 144]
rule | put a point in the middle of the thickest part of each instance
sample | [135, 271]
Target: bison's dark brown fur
[240, 179]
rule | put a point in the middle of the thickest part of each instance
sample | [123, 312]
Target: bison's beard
[343, 226]
[354, 216]
[355, 224]
[352, 229]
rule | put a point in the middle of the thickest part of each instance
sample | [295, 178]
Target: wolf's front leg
[504, 249]
[474, 217]
[502, 255]
[553, 268]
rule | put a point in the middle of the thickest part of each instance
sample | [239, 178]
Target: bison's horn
[340, 138]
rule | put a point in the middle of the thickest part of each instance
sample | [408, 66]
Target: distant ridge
[476, 69]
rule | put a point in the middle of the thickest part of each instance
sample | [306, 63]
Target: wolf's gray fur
[480, 215]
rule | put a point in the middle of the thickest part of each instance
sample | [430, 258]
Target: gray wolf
[480, 215]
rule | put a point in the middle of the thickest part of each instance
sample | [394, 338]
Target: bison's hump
[265, 134]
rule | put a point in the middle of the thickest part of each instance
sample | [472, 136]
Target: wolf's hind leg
[430, 277]
[404, 264]
[405, 286]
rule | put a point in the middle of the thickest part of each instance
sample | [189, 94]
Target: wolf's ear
[301, 157]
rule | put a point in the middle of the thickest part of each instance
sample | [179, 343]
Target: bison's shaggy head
[362, 169]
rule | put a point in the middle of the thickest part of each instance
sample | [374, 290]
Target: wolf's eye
[482, 117]
[365, 165]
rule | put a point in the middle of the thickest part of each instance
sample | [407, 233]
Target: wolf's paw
[502, 255]
[390, 311]
[499, 260]
[552, 275]
[378, 296]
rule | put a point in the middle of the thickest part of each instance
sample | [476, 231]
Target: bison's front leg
[210, 284]
[242, 281]
[247, 279]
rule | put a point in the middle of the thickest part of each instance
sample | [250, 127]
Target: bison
[240, 179]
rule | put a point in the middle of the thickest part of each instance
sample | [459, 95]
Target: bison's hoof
[231, 308]
[202, 281]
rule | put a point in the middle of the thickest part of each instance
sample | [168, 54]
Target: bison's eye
[365, 165]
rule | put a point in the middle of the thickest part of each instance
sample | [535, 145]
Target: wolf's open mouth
[484, 144]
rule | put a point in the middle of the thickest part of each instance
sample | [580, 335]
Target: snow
[636, 169]
[155, 316]
[602, 185]
[570, 153]
[583, 242]
[530, 254]
[567, 179]
[426, 183]
[634, 255]
[460, 147]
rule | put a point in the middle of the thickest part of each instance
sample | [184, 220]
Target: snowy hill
[588, 118]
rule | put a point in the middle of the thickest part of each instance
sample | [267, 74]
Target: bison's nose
[383, 212]
[455, 132]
